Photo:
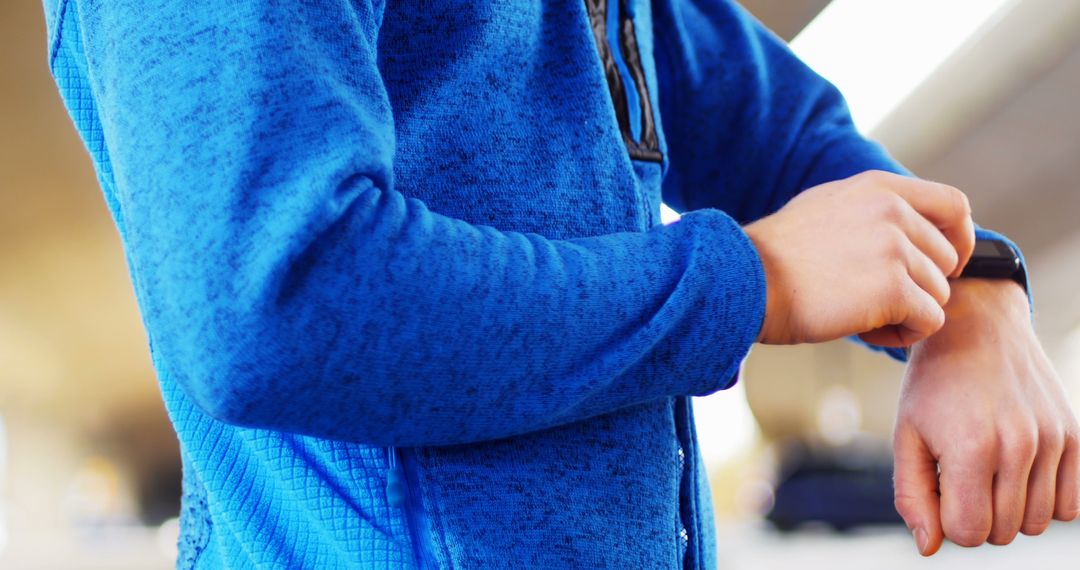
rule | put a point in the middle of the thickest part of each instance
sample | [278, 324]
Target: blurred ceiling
[70, 332]
[785, 17]
[999, 121]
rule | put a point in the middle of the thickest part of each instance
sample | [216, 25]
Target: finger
[928, 276]
[1042, 486]
[916, 316]
[967, 478]
[888, 336]
[916, 481]
[929, 240]
[944, 206]
[923, 318]
[1067, 501]
[1011, 487]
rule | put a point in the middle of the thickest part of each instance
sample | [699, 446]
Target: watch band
[995, 259]
[992, 259]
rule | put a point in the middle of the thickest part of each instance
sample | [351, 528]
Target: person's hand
[867, 255]
[981, 403]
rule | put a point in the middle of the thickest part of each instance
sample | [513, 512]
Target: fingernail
[921, 540]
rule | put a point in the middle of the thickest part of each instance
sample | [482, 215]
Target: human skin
[985, 443]
[981, 403]
[867, 255]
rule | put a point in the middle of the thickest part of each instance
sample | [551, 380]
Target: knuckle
[976, 446]
[1052, 438]
[968, 537]
[1035, 528]
[897, 290]
[936, 318]
[952, 258]
[930, 318]
[1067, 507]
[1067, 513]
[944, 295]
[1001, 538]
[1040, 509]
[1072, 435]
[1071, 441]
[960, 202]
[892, 208]
[1021, 442]
[895, 244]
[906, 504]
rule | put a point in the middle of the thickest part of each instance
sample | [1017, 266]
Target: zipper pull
[395, 481]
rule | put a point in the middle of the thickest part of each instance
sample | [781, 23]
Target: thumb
[916, 484]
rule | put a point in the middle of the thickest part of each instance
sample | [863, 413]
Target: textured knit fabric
[364, 235]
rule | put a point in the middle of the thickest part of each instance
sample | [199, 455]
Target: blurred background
[980, 94]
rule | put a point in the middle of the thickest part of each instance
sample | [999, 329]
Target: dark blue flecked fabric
[354, 226]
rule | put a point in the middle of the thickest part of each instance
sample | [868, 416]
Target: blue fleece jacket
[401, 269]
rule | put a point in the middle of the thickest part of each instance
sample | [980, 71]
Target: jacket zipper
[400, 483]
[625, 54]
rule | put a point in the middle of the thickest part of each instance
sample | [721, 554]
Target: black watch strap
[995, 259]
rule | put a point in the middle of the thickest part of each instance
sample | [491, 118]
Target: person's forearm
[286, 284]
[750, 126]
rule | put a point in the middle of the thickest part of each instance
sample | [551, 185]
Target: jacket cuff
[734, 310]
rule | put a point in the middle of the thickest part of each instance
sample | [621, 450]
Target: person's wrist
[980, 311]
[774, 302]
[980, 298]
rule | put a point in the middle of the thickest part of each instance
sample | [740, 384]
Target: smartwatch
[992, 259]
[995, 259]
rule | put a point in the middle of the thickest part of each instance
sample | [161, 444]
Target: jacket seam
[58, 30]
[662, 47]
[434, 513]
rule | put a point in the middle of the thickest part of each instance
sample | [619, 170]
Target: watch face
[993, 259]
[992, 249]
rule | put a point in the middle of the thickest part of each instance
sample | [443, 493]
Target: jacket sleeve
[286, 285]
[748, 125]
